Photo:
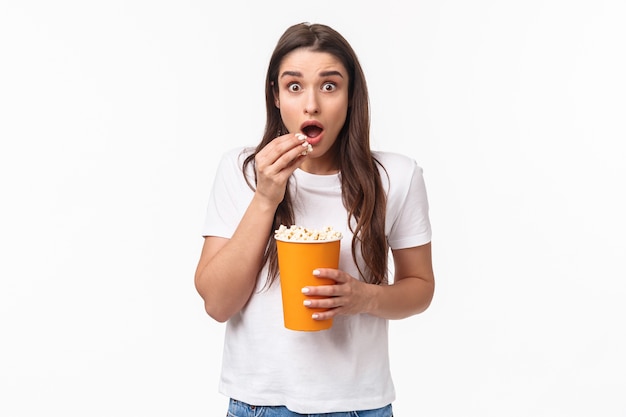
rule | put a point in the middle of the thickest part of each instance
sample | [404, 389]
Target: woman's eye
[293, 87]
[329, 87]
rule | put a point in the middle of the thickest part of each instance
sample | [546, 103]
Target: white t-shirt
[341, 369]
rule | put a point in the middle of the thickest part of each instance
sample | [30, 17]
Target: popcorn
[305, 144]
[308, 149]
[297, 233]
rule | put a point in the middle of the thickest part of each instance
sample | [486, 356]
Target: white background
[113, 115]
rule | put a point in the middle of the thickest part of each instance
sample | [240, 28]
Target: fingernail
[305, 290]
[307, 302]
[316, 272]
[315, 316]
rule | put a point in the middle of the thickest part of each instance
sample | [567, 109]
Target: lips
[313, 130]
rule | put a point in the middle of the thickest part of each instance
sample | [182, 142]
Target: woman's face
[313, 99]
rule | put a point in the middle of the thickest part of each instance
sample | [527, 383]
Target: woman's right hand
[276, 162]
[225, 280]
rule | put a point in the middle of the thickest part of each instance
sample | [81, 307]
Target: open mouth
[312, 130]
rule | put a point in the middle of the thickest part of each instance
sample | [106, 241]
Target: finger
[325, 315]
[334, 274]
[281, 164]
[281, 145]
[324, 303]
[321, 290]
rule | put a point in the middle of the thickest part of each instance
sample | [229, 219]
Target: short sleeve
[229, 197]
[408, 207]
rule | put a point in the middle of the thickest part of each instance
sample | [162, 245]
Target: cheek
[290, 120]
[341, 115]
[340, 107]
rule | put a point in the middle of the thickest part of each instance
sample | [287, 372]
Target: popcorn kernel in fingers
[308, 149]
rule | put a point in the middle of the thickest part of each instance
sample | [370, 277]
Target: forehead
[310, 62]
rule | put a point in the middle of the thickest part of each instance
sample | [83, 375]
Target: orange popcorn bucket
[296, 262]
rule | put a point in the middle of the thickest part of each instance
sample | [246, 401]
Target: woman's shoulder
[231, 163]
[397, 172]
[394, 162]
[233, 158]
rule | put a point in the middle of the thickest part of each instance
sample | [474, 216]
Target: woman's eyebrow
[299, 74]
[291, 73]
[330, 73]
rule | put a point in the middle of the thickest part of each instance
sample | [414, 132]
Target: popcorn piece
[308, 149]
[297, 233]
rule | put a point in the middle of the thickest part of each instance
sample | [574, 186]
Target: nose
[311, 105]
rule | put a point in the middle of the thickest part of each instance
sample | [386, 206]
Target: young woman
[314, 168]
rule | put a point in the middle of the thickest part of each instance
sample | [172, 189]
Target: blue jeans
[240, 409]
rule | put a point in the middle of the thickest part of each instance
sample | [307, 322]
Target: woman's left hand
[347, 296]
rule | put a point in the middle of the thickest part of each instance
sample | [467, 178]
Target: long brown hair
[362, 190]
